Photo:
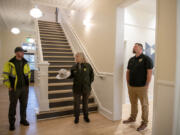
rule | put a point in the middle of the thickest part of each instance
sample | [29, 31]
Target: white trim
[38, 43]
[142, 27]
[176, 120]
[155, 64]
[166, 83]
[104, 111]
[119, 65]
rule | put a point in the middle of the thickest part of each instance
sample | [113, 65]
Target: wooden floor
[64, 126]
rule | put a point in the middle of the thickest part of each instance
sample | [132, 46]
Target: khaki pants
[140, 93]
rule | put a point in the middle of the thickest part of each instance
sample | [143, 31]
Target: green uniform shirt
[83, 76]
[19, 70]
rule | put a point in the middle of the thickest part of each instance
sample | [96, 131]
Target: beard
[134, 52]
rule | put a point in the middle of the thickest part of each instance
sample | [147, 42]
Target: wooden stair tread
[59, 52]
[60, 66]
[54, 100]
[51, 30]
[50, 26]
[47, 21]
[53, 61]
[60, 45]
[47, 35]
[54, 38]
[53, 77]
[53, 33]
[56, 48]
[60, 84]
[54, 41]
[66, 108]
[58, 56]
[59, 91]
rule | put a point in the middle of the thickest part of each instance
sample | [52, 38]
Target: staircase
[58, 53]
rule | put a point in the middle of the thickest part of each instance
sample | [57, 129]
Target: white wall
[139, 26]
[48, 13]
[10, 42]
[165, 67]
[1, 56]
[96, 28]
[176, 123]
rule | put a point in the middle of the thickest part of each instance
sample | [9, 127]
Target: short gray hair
[83, 59]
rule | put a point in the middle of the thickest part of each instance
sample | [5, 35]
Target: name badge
[140, 60]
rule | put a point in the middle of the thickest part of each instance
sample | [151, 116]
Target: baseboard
[105, 112]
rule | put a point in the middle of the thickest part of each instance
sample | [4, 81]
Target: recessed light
[36, 12]
[15, 30]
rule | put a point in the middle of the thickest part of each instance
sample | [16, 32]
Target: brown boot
[142, 127]
[128, 121]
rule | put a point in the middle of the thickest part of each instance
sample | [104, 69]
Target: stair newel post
[41, 84]
[43, 87]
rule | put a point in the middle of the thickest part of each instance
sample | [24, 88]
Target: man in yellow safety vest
[16, 77]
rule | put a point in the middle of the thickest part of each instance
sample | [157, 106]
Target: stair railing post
[41, 80]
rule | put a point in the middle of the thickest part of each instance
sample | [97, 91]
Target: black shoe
[142, 127]
[86, 119]
[24, 122]
[76, 121]
[130, 120]
[12, 127]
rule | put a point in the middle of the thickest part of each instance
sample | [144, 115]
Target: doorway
[139, 21]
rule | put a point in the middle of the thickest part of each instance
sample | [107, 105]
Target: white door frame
[176, 123]
[119, 61]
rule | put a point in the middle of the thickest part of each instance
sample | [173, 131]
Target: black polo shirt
[138, 67]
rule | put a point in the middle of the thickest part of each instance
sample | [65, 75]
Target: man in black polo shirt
[138, 77]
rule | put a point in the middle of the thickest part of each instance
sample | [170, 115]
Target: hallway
[64, 126]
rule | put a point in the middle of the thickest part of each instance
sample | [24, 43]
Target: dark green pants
[20, 94]
[77, 101]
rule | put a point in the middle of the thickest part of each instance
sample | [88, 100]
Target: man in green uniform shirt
[16, 74]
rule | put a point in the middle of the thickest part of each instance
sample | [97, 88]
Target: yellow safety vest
[10, 76]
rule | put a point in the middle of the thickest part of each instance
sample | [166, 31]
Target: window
[28, 46]
[31, 60]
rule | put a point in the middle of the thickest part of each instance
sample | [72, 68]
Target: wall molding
[104, 111]
[166, 83]
[139, 26]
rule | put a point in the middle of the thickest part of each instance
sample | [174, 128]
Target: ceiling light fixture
[15, 30]
[36, 12]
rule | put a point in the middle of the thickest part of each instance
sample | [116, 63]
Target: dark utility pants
[77, 101]
[22, 95]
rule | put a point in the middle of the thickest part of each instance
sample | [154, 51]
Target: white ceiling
[72, 4]
[145, 5]
[15, 13]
